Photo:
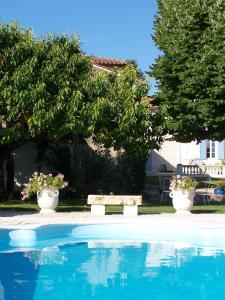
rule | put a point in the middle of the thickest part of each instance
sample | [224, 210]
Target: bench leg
[97, 210]
[130, 210]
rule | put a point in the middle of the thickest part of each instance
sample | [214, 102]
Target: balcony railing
[212, 171]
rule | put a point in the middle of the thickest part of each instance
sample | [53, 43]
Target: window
[210, 149]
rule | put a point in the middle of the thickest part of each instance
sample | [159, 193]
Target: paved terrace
[25, 220]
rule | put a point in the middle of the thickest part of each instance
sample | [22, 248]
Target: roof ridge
[109, 61]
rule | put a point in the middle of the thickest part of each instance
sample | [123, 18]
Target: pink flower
[38, 181]
[61, 176]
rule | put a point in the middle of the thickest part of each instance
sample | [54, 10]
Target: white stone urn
[47, 200]
[182, 200]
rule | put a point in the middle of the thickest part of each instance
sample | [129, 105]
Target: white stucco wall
[189, 151]
[172, 153]
[169, 154]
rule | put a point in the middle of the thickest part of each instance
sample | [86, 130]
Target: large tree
[121, 117]
[49, 90]
[190, 70]
[120, 114]
[41, 87]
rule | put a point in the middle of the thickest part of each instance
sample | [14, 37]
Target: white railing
[212, 171]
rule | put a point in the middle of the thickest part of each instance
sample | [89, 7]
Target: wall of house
[170, 154]
[189, 151]
[25, 164]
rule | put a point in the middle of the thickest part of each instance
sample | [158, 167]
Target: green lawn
[71, 205]
[78, 205]
[158, 209]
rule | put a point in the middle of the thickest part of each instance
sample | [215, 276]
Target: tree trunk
[10, 173]
[2, 175]
[7, 169]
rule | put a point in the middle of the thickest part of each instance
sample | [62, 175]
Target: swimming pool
[111, 261]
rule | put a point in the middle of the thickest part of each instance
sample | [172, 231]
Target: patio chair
[196, 162]
[203, 191]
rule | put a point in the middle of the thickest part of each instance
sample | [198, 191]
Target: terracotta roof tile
[108, 62]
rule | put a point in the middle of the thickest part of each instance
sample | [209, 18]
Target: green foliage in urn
[184, 183]
[191, 66]
[40, 181]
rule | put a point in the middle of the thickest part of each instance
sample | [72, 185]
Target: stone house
[207, 152]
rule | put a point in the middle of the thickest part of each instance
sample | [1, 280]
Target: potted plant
[219, 191]
[47, 189]
[182, 193]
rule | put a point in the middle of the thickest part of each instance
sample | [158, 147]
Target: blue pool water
[98, 262]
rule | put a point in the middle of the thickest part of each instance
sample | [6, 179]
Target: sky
[119, 29]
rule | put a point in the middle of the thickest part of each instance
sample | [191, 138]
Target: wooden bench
[130, 204]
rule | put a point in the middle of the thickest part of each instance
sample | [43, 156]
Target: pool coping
[19, 220]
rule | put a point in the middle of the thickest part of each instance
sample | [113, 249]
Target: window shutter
[221, 149]
[203, 149]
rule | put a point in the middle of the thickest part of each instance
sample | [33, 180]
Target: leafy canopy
[119, 116]
[41, 85]
[190, 70]
[49, 88]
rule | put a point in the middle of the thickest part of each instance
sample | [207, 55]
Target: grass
[147, 208]
[32, 206]
[72, 205]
